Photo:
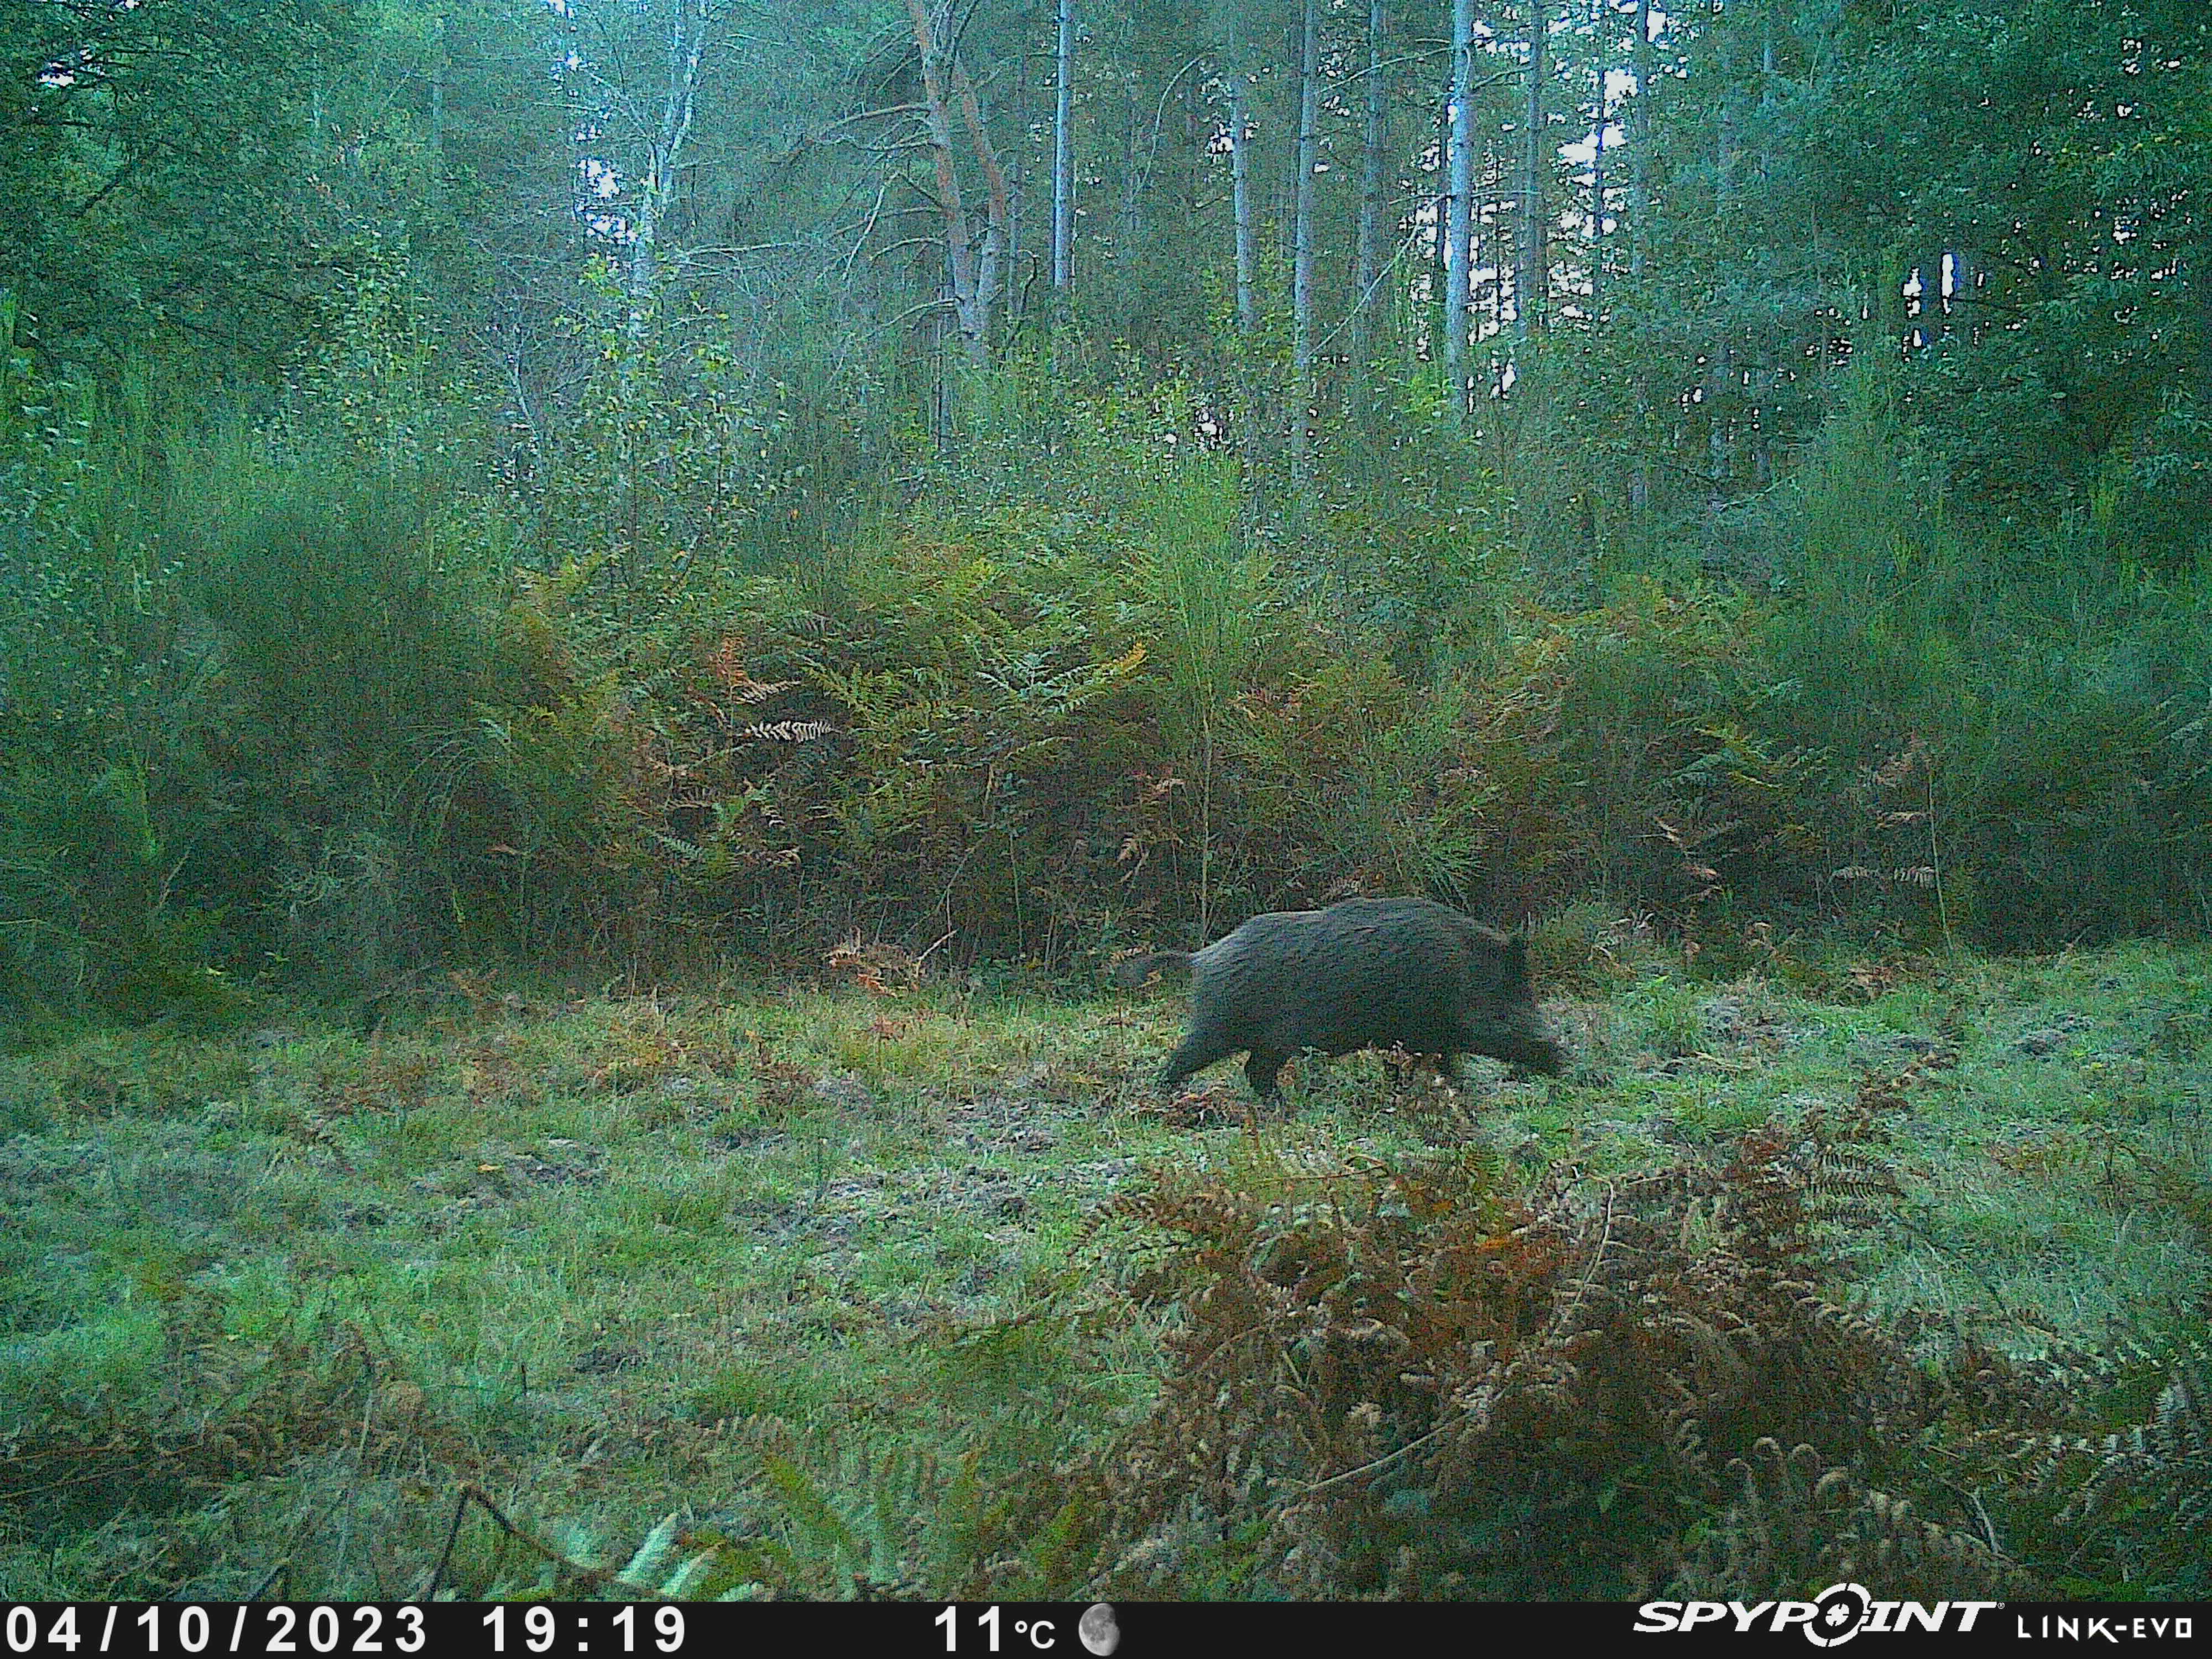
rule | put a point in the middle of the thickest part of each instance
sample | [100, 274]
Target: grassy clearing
[808, 1267]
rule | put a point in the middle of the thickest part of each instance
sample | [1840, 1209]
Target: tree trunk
[1063, 154]
[1639, 145]
[687, 45]
[992, 276]
[1132, 191]
[1765, 108]
[687, 48]
[1458, 219]
[1597, 189]
[1018, 173]
[1240, 185]
[1491, 201]
[1440, 245]
[1720, 450]
[975, 279]
[1532, 283]
[1249, 414]
[1304, 388]
[1367, 270]
[1724, 160]
[1286, 182]
[1479, 197]
[1724, 147]
[1196, 131]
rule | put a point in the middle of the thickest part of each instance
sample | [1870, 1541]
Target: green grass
[804, 1267]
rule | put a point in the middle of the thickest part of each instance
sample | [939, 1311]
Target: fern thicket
[1403, 1379]
[304, 693]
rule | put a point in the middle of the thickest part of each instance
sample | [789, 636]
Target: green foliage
[2041, 712]
[539, 591]
[665, 452]
[322, 715]
[159, 156]
[238, 672]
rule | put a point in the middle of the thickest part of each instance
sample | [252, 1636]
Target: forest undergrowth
[286, 710]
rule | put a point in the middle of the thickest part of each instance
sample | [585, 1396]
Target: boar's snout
[1516, 1035]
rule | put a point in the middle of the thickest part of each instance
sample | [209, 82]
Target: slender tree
[1063, 152]
[1534, 275]
[1304, 388]
[975, 274]
[1017, 188]
[1459, 203]
[1240, 173]
[690, 24]
[1599, 10]
[1367, 268]
[439, 69]
[1639, 144]
[1133, 174]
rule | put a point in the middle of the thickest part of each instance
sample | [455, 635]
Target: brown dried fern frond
[1454, 1392]
[727, 664]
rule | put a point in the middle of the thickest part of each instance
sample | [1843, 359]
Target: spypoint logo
[1831, 1619]
[1839, 1614]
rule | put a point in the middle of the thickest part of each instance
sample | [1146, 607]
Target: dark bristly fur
[1368, 973]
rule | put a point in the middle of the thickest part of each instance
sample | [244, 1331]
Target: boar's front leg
[1264, 1067]
[1195, 1054]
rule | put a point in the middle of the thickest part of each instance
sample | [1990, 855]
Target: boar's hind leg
[1196, 1052]
[1264, 1067]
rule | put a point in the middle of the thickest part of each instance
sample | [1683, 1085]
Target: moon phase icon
[1100, 1634]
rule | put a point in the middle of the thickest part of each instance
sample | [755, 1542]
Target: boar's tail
[1137, 970]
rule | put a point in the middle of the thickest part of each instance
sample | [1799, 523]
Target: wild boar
[1368, 973]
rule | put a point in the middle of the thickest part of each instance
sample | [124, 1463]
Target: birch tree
[691, 24]
[1367, 265]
